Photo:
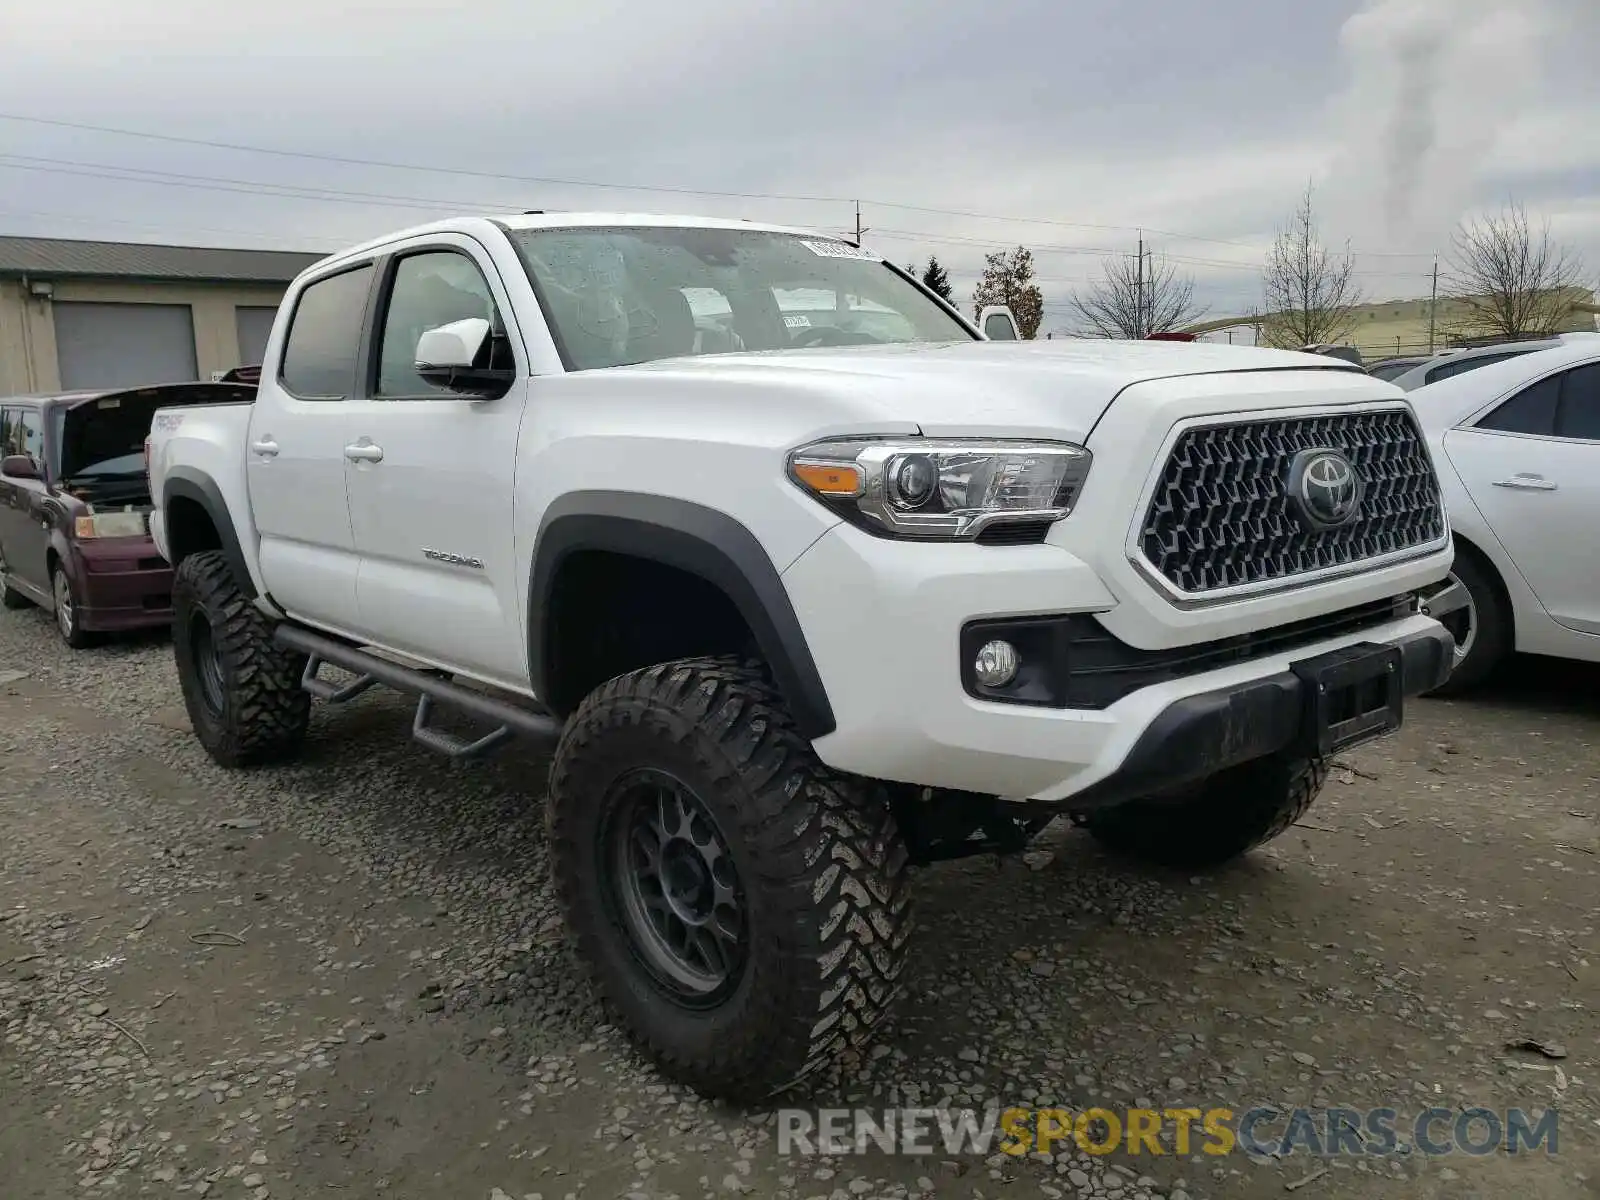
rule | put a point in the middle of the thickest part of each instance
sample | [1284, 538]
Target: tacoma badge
[460, 560]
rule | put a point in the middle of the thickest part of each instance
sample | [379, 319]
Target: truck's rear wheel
[242, 691]
[1216, 820]
[744, 911]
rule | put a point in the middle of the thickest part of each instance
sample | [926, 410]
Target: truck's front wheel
[744, 910]
[1217, 819]
[243, 691]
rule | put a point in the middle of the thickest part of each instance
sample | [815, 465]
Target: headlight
[110, 525]
[949, 489]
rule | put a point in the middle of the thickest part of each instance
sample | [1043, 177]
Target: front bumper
[884, 621]
[1202, 734]
[122, 584]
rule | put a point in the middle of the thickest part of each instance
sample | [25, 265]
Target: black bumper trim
[1200, 735]
[1073, 661]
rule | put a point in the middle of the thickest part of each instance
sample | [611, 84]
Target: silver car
[1457, 362]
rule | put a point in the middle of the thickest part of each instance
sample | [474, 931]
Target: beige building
[78, 314]
[1397, 327]
[1393, 328]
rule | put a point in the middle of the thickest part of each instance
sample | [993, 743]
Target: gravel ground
[345, 977]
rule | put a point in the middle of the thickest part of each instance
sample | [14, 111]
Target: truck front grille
[1222, 515]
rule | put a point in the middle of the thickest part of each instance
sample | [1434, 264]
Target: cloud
[1183, 119]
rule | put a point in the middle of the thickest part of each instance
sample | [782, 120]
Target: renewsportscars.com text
[1261, 1130]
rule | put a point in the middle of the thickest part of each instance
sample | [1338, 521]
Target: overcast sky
[1198, 122]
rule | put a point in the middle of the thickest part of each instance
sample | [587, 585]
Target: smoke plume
[1433, 84]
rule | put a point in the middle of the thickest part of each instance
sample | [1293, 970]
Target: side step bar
[428, 687]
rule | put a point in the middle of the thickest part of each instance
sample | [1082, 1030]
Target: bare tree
[1509, 280]
[1008, 280]
[1129, 303]
[1310, 291]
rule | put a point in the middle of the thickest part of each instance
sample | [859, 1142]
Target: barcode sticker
[839, 250]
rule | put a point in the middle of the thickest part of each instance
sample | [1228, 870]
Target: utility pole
[860, 229]
[1433, 305]
[1138, 291]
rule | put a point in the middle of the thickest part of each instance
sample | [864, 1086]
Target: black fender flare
[189, 484]
[691, 538]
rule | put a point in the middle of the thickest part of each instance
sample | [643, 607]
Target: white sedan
[1517, 447]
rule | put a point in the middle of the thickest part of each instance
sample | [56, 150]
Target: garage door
[254, 323]
[123, 345]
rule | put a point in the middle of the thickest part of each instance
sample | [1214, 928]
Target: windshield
[616, 296]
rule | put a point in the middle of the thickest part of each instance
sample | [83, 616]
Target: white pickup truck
[800, 603]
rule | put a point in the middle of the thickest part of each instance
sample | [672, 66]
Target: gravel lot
[358, 987]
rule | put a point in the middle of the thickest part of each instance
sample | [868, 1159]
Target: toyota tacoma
[798, 604]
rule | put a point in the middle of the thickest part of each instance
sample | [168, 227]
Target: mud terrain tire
[242, 691]
[693, 771]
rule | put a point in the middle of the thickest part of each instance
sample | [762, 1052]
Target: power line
[436, 204]
[961, 240]
[1107, 252]
[550, 181]
[372, 199]
[398, 166]
[291, 244]
[242, 186]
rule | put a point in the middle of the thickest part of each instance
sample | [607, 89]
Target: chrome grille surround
[1216, 522]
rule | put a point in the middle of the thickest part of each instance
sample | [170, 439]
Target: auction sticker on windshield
[839, 250]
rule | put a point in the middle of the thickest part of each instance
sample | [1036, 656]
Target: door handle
[363, 452]
[1526, 483]
[266, 447]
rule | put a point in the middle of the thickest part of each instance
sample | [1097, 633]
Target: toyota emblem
[1325, 488]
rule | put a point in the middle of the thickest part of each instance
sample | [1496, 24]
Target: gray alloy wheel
[66, 607]
[1462, 623]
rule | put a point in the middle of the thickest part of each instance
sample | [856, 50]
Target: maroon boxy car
[75, 505]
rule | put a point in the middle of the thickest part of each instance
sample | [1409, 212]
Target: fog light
[996, 664]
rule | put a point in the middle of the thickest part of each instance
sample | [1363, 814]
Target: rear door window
[319, 356]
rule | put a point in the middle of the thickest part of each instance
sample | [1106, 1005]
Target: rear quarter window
[1531, 411]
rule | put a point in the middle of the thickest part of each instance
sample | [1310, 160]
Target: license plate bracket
[1352, 695]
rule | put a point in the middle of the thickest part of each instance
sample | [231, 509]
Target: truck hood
[1018, 389]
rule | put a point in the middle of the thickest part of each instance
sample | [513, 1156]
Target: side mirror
[456, 356]
[998, 324]
[19, 466]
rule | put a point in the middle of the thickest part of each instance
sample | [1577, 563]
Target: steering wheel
[828, 335]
